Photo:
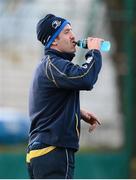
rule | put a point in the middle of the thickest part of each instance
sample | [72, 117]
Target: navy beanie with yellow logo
[49, 28]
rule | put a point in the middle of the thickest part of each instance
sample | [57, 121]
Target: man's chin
[73, 50]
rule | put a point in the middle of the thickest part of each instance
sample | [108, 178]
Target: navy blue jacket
[54, 105]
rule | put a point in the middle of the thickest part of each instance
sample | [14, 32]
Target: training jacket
[54, 106]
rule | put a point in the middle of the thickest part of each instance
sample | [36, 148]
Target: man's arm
[67, 75]
[90, 119]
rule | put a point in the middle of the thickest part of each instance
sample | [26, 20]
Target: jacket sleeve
[67, 75]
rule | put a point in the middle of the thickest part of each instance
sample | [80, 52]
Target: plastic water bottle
[105, 45]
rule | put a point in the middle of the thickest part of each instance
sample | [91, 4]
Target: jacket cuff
[91, 52]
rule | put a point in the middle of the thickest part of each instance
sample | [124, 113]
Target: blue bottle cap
[105, 46]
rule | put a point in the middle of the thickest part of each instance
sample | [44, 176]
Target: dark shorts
[50, 162]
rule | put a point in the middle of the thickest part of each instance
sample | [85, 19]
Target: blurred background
[110, 151]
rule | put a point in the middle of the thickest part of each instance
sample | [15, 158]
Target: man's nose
[72, 35]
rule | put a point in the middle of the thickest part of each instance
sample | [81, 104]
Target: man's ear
[54, 43]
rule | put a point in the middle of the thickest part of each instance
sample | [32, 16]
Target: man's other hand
[90, 119]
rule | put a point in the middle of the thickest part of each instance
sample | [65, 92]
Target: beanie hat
[49, 28]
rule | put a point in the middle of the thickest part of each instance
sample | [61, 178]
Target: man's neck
[65, 55]
[55, 48]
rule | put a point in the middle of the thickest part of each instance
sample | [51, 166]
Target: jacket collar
[67, 56]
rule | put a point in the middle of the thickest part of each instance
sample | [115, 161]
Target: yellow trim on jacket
[39, 152]
[77, 130]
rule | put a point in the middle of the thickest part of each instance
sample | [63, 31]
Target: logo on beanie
[56, 24]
